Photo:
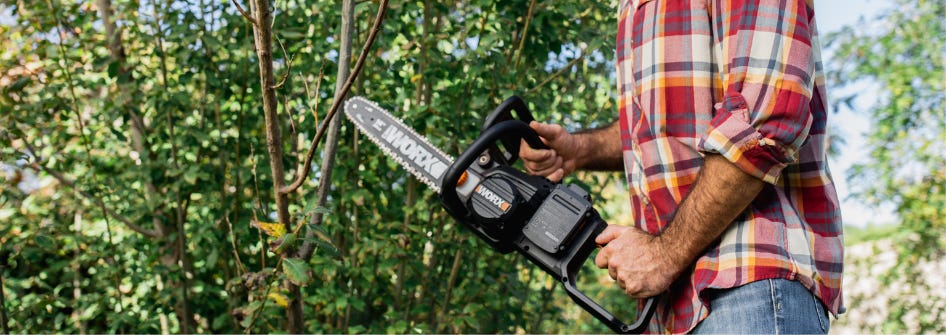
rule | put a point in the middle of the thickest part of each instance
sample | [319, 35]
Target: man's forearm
[721, 192]
[600, 148]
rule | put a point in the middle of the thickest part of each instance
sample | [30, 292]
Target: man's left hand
[635, 260]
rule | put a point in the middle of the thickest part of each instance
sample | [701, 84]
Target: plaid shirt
[742, 79]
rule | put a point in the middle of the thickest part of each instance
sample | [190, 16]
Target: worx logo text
[413, 151]
[503, 205]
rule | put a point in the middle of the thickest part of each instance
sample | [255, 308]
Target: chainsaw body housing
[554, 225]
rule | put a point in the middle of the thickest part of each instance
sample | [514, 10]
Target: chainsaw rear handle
[569, 279]
[509, 153]
[487, 138]
[638, 327]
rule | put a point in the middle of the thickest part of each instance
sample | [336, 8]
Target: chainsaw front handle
[509, 153]
[503, 112]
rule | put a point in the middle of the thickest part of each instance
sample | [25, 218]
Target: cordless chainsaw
[552, 224]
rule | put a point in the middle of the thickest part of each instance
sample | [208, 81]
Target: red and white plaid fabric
[743, 79]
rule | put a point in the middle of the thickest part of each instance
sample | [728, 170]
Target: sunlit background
[111, 153]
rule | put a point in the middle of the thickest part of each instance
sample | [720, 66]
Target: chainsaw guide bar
[398, 141]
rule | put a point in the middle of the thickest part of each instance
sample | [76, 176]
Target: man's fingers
[547, 131]
[601, 260]
[528, 153]
[610, 233]
[556, 176]
[548, 172]
[542, 167]
[632, 292]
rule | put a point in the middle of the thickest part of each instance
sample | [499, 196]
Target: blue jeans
[773, 306]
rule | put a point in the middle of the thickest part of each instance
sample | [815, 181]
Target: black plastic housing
[551, 224]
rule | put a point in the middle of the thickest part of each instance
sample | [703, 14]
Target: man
[722, 138]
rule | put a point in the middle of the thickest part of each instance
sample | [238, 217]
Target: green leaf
[113, 68]
[18, 85]
[289, 34]
[118, 134]
[286, 241]
[190, 176]
[297, 271]
[325, 246]
[45, 241]
[311, 207]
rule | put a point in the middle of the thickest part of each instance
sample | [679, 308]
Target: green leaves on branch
[900, 52]
[297, 271]
[283, 243]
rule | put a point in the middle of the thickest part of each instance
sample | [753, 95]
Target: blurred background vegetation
[142, 188]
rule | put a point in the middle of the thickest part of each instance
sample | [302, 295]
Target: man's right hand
[558, 161]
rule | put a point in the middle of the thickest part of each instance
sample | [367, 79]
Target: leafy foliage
[133, 147]
[901, 52]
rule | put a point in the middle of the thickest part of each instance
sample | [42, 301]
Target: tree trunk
[127, 89]
[264, 45]
[331, 140]
[3, 304]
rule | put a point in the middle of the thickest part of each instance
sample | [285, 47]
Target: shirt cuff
[732, 136]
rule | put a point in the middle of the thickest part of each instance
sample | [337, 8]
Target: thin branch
[236, 252]
[3, 304]
[96, 200]
[304, 171]
[318, 88]
[288, 66]
[525, 31]
[243, 12]
[62, 179]
[116, 258]
[292, 122]
[269, 287]
[557, 74]
[126, 86]
[263, 42]
[454, 270]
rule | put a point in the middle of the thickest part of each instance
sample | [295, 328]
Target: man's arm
[602, 148]
[595, 149]
[645, 265]
[760, 122]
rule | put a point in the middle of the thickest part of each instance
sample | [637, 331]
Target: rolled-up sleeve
[766, 66]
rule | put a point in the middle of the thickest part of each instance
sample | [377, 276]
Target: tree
[134, 147]
[902, 52]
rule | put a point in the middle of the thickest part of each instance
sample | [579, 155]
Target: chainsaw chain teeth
[386, 149]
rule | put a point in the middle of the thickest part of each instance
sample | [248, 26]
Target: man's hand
[645, 265]
[634, 259]
[558, 161]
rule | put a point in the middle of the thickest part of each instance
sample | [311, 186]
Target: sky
[830, 16]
